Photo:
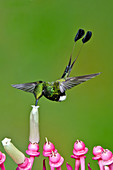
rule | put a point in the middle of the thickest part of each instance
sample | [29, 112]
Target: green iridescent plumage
[55, 91]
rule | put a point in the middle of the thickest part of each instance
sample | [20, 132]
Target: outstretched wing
[28, 87]
[73, 81]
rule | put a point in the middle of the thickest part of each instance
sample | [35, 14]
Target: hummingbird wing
[73, 81]
[28, 87]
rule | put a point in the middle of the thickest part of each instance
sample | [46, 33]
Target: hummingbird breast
[52, 91]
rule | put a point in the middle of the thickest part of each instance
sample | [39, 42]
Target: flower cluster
[104, 156]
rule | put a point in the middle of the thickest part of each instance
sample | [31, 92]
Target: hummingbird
[56, 90]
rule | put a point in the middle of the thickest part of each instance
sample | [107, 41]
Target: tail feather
[67, 68]
[71, 67]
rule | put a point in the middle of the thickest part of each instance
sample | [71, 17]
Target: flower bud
[34, 136]
[17, 156]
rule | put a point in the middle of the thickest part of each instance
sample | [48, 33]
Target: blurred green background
[36, 40]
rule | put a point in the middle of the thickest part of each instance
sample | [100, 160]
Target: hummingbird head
[40, 81]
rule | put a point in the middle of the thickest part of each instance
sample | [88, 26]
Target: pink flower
[55, 160]
[97, 151]
[107, 158]
[48, 148]
[2, 160]
[79, 151]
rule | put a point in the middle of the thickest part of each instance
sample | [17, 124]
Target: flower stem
[32, 160]
[82, 161]
[2, 167]
[77, 164]
[101, 165]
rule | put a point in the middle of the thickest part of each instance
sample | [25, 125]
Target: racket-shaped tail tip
[87, 37]
[79, 34]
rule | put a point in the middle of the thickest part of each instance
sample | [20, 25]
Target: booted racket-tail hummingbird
[56, 91]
